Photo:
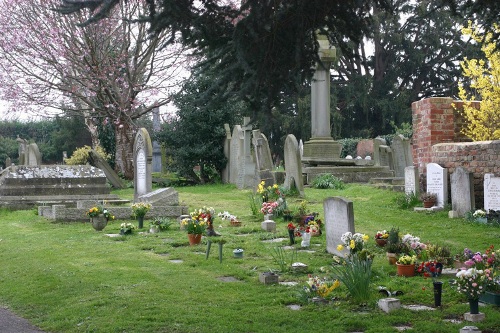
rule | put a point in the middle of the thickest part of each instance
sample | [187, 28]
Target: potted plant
[126, 228]
[139, 210]
[205, 215]
[406, 265]
[195, 227]
[472, 283]
[99, 217]
[381, 238]
[394, 246]
[354, 243]
[429, 199]
[233, 219]
[479, 216]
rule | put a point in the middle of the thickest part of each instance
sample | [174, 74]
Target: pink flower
[477, 257]
[474, 284]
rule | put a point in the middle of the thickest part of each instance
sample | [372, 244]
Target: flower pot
[483, 220]
[392, 257]
[154, 230]
[268, 278]
[405, 270]
[381, 242]
[429, 203]
[238, 253]
[194, 239]
[235, 223]
[474, 306]
[99, 222]
[291, 235]
[306, 239]
[490, 298]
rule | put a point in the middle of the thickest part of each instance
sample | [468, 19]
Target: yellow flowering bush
[81, 156]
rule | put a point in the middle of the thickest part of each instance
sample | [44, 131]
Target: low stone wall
[477, 157]
[61, 213]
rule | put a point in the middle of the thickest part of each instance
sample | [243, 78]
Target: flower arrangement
[383, 234]
[479, 213]
[199, 220]
[139, 209]
[473, 282]
[407, 260]
[413, 244]
[353, 242]
[194, 226]
[430, 268]
[100, 210]
[227, 216]
[269, 192]
[317, 287]
[428, 196]
[478, 260]
[269, 207]
[126, 228]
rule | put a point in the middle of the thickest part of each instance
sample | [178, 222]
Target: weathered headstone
[339, 219]
[377, 142]
[385, 157]
[99, 162]
[22, 150]
[293, 165]
[8, 162]
[227, 153]
[263, 158]
[401, 154]
[143, 155]
[34, 156]
[234, 153]
[462, 192]
[412, 180]
[491, 192]
[437, 182]
[156, 162]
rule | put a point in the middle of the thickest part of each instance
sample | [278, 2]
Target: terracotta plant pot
[194, 239]
[381, 242]
[392, 257]
[429, 203]
[405, 270]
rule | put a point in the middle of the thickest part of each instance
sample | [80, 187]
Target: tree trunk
[92, 127]
[124, 158]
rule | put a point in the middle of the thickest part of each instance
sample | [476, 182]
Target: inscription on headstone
[339, 219]
[491, 192]
[143, 155]
[437, 182]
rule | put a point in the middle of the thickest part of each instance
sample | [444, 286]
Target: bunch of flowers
[227, 216]
[430, 268]
[407, 260]
[126, 228]
[353, 242]
[193, 226]
[473, 282]
[269, 207]
[269, 192]
[383, 234]
[478, 260]
[139, 209]
[100, 210]
[199, 220]
[479, 213]
[413, 244]
[320, 287]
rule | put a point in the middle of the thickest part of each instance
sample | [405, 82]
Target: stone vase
[99, 222]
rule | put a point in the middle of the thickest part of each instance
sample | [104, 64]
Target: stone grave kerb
[143, 156]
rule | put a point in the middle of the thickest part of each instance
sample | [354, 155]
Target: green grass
[66, 277]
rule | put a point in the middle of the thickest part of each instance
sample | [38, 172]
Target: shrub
[326, 180]
[355, 273]
[81, 155]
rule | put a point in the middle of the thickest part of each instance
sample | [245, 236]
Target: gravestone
[143, 155]
[263, 159]
[462, 192]
[34, 157]
[293, 165]
[156, 162]
[234, 153]
[401, 154]
[412, 180]
[377, 142]
[437, 182]
[364, 148]
[99, 162]
[22, 150]
[491, 192]
[8, 162]
[339, 219]
[227, 153]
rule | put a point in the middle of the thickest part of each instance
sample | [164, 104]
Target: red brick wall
[437, 138]
[479, 157]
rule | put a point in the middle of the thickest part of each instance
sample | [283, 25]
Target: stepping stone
[113, 235]
[275, 240]
[176, 261]
[402, 328]
[289, 283]
[293, 307]
[228, 279]
[415, 307]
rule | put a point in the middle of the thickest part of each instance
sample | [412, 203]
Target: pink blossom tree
[110, 71]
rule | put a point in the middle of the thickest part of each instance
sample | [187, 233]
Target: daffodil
[340, 247]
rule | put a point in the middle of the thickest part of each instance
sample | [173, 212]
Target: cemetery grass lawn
[66, 277]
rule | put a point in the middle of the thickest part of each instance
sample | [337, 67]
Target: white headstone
[412, 180]
[462, 191]
[143, 156]
[437, 182]
[491, 192]
[339, 219]
[293, 165]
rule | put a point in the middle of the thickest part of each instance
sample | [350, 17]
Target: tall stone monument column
[321, 147]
